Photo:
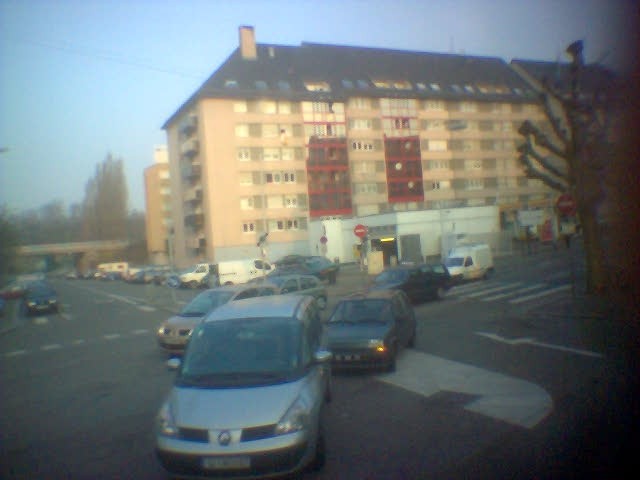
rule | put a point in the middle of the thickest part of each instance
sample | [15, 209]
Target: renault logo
[224, 438]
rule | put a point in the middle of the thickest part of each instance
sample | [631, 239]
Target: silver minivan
[249, 394]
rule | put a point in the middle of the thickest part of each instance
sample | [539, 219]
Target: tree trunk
[596, 272]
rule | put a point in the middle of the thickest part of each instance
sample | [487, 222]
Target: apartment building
[304, 142]
[158, 220]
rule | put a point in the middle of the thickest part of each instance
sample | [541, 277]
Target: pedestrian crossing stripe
[493, 290]
[502, 290]
[530, 288]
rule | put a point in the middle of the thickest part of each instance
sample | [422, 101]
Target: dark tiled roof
[236, 77]
[594, 77]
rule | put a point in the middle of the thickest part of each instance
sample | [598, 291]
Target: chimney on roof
[248, 43]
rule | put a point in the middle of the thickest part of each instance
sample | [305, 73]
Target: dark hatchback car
[320, 267]
[419, 281]
[40, 297]
[367, 330]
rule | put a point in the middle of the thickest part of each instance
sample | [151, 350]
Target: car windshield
[391, 276]
[253, 351]
[362, 311]
[454, 262]
[204, 303]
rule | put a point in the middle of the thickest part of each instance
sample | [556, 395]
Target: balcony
[194, 220]
[189, 125]
[192, 172]
[190, 148]
[193, 195]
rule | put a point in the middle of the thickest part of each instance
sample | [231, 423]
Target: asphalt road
[507, 380]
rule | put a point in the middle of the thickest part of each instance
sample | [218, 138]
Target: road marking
[535, 343]
[142, 331]
[111, 336]
[505, 398]
[540, 294]
[40, 321]
[122, 299]
[79, 341]
[146, 308]
[492, 290]
[537, 286]
[473, 286]
[15, 353]
[53, 346]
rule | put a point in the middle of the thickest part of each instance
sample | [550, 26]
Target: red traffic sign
[323, 239]
[360, 231]
[566, 205]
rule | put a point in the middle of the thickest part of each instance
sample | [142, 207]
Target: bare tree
[573, 156]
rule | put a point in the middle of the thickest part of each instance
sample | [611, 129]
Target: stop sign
[360, 231]
[566, 205]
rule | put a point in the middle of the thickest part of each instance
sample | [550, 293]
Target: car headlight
[377, 344]
[296, 418]
[161, 330]
[31, 304]
[165, 423]
[53, 300]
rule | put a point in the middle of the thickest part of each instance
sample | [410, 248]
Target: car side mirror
[322, 356]
[173, 363]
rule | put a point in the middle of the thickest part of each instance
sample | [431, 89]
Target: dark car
[367, 330]
[419, 281]
[40, 297]
[320, 267]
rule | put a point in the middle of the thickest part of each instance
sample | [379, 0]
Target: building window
[475, 184]
[246, 178]
[261, 85]
[242, 130]
[435, 87]
[366, 188]
[292, 224]
[270, 130]
[360, 103]
[246, 203]
[437, 145]
[267, 107]
[284, 85]
[272, 177]
[362, 145]
[360, 123]
[248, 227]
[231, 83]
[363, 84]
[289, 177]
[287, 154]
[290, 201]
[243, 154]
[434, 105]
[271, 154]
[275, 225]
[468, 107]
[240, 107]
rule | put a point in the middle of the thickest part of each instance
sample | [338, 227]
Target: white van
[467, 262]
[229, 272]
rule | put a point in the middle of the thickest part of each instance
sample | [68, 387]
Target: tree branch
[533, 172]
[547, 165]
[556, 122]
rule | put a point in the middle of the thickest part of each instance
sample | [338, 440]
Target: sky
[82, 79]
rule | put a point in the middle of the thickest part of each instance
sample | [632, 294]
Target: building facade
[158, 219]
[305, 142]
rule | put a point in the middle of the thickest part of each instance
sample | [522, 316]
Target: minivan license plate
[226, 463]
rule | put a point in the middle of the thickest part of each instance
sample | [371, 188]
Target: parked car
[419, 281]
[14, 290]
[299, 284]
[368, 329]
[248, 398]
[174, 333]
[40, 297]
[315, 265]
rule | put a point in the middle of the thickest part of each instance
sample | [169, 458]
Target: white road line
[122, 299]
[492, 290]
[111, 336]
[540, 294]
[537, 286]
[40, 321]
[15, 353]
[140, 332]
[79, 341]
[505, 398]
[472, 287]
[146, 308]
[53, 346]
[535, 343]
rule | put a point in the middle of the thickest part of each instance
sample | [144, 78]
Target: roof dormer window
[230, 84]
[284, 85]
[347, 83]
[363, 84]
[435, 87]
[261, 85]
[317, 86]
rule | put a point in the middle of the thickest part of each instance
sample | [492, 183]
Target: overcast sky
[84, 78]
